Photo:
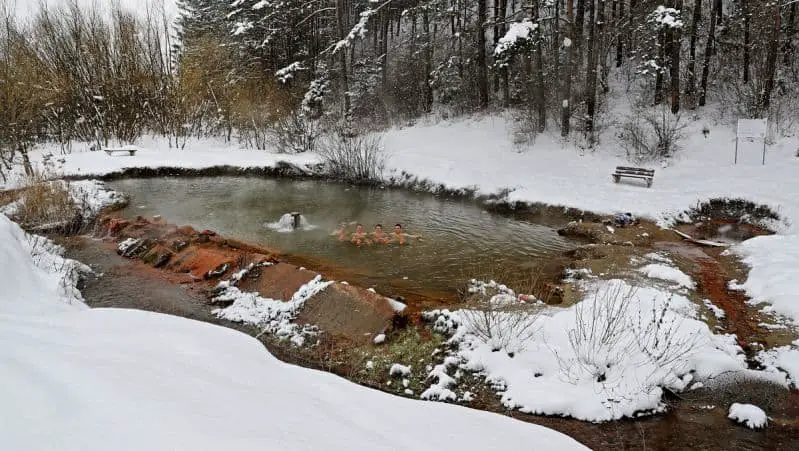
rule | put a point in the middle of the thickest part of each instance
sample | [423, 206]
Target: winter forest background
[279, 74]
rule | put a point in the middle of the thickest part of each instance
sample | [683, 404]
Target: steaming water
[460, 239]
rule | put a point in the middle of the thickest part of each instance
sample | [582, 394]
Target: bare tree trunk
[540, 100]
[428, 63]
[496, 36]
[565, 108]
[711, 38]
[771, 62]
[503, 71]
[690, 87]
[674, 63]
[482, 73]
[341, 23]
[747, 44]
[619, 25]
[579, 27]
[556, 42]
[790, 30]
[385, 26]
[591, 78]
[661, 64]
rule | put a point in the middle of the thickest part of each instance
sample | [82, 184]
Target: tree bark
[341, 19]
[661, 62]
[790, 30]
[747, 44]
[565, 109]
[674, 63]
[591, 78]
[619, 39]
[503, 71]
[579, 27]
[711, 38]
[482, 72]
[771, 62]
[540, 100]
[428, 63]
[690, 86]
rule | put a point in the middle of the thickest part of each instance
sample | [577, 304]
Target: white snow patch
[273, 315]
[784, 359]
[379, 339]
[748, 414]
[774, 273]
[567, 368]
[717, 312]
[399, 370]
[668, 273]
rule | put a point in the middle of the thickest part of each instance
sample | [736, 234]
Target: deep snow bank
[100, 379]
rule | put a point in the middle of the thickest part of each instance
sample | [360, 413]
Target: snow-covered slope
[73, 378]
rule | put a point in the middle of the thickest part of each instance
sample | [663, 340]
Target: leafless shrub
[508, 328]
[599, 338]
[608, 337]
[358, 159]
[651, 134]
[294, 133]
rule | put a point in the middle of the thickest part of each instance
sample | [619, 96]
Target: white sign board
[752, 128]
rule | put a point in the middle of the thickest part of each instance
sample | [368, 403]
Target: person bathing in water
[398, 235]
[358, 237]
[379, 236]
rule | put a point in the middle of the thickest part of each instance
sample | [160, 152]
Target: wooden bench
[130, 149]
[637, 173]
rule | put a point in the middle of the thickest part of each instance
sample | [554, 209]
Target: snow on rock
[399, 370]
[396, 305]
[717, 312]
[783, 359]
[774, 272]
[440, 389]
[91, 196]
[79, 379]
[668, 273]
[273, 315]
[602, 359]
[749, 415]
[379, 339]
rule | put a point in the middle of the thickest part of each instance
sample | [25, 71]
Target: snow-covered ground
[74, 378]
[604, 358]
[479, 154]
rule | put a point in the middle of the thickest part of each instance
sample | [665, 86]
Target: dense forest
[277, 73]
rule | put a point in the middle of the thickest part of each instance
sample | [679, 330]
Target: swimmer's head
[398, 228]
[379, 228]
[359, 228]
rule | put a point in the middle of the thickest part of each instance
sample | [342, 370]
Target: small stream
[459, 238]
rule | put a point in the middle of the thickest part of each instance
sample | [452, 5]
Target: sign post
[750, 130]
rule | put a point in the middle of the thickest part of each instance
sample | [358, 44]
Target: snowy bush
[649, 135]
[508, 329]
[607, 357]
[357, 158]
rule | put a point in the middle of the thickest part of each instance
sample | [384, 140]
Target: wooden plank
[701, 242]
[633, 176]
